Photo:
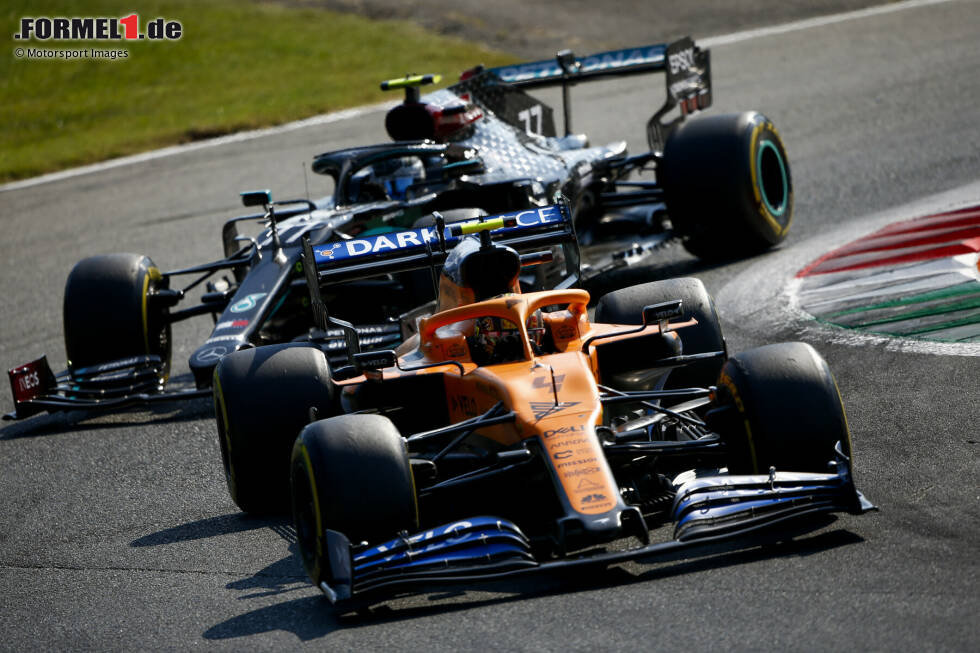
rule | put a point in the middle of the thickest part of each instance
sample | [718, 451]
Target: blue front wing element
[468, 541]
[706, 510]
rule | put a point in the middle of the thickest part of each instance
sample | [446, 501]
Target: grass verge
[238, 65]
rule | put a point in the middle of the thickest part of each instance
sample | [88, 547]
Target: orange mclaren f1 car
[512, 433]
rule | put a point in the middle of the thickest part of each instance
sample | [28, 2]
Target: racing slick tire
[350, 474]
[108, 315]
[625, 306]
[727, 185]
[782, 409]
[262, 399]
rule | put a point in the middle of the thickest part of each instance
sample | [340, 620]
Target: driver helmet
[394, 176]
[495, 340]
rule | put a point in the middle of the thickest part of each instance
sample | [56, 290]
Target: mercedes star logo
[211, 353]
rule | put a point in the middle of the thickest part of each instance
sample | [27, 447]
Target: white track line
[819, 21]
[324, 119]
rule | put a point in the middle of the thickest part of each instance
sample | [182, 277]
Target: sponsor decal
[28, 381]
[593, 63]
[222, 338]
[31, 379]
[573, 463]
[247, 303]
[592, 498]
[376, 363]
[681, 61]
[327, 252]
[560, 455]
[564, 429]
[569, 443]
[584, 471]
[544, 408]
[418, 238]
[464, 404]
[231, 324]
[366, 342]
[586, 485]
[211, 353]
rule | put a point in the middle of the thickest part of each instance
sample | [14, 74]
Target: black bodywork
[500, 152]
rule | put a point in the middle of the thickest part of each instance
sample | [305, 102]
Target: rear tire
[350, 474]
[262, 399]
[625, 306]
[727, 185]
[108, 315]
[782, 409]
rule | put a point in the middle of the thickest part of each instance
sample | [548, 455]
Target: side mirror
[375, 360]
[256, 197]
[662, 311]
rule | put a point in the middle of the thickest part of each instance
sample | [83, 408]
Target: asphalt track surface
[117, 533]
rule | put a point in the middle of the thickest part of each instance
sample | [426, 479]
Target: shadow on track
[312, 617]
[237, 522]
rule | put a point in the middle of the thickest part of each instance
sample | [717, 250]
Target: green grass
[239, 65]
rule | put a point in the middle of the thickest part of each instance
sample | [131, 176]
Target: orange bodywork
[554, 395]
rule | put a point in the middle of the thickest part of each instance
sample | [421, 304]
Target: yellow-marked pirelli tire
[262, 400]
[727, 185]
[625, 306]
[780, 408]
[109, 313]
[350, 474]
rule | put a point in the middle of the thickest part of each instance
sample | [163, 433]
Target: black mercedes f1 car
[720, 184]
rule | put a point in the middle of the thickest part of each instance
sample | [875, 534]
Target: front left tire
[779, 406]
[350, 474]
[109, 313]
[262, 399]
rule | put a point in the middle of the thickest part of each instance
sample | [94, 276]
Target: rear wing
[686, 65]
[411, 249]
[550, 72]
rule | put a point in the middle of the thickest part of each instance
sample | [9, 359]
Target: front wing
[117, 384]
[706, 511]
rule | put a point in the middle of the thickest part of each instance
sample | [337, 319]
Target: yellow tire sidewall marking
[308, 467]
[756, 188]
